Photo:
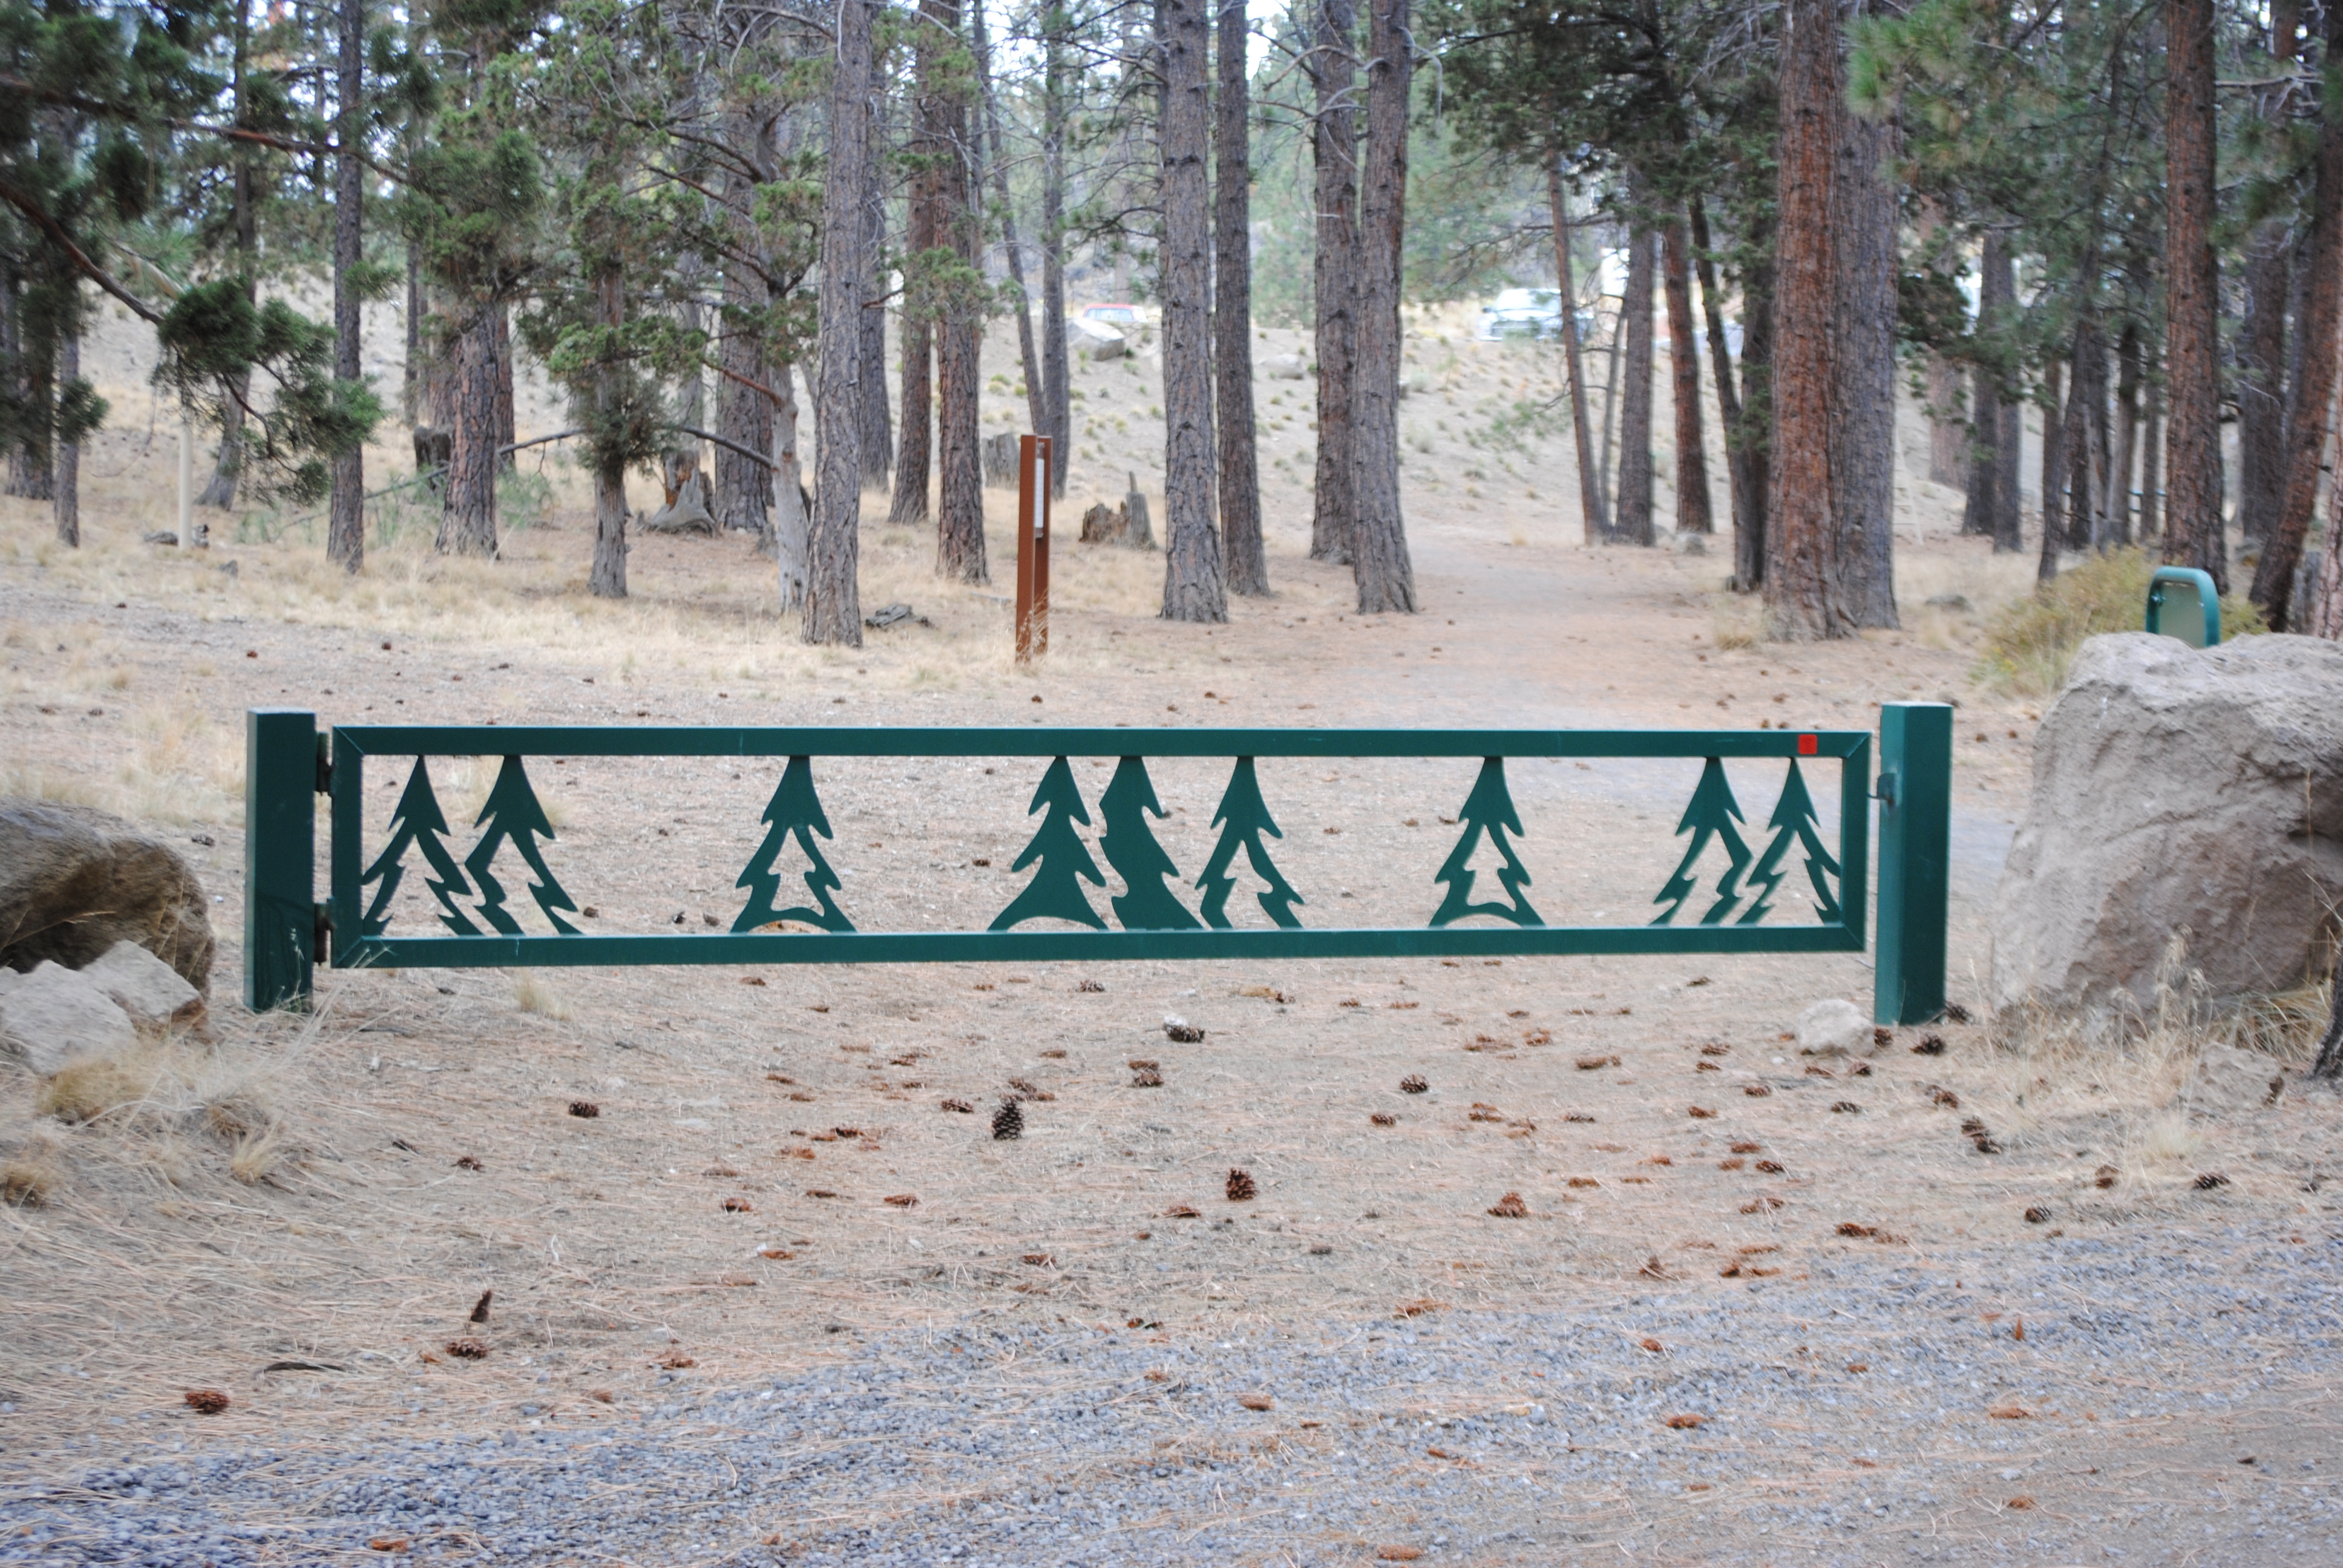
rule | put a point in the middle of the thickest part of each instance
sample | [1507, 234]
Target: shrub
[2030, 645]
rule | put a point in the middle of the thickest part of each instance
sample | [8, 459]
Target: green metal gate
[1727, 908]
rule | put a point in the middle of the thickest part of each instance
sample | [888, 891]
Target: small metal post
[1915, 827]
[2192, 601]
[280, 824]
[1033, 547]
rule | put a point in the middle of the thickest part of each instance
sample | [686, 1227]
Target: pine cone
[1412, 1084]
[1510, 1207]
[206, 1401]
[467, 1350]
[1147, 1078]
[1009, 1121]
[584, 1107]
[1241, 1185]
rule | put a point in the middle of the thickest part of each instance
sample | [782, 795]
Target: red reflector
[1808, 745]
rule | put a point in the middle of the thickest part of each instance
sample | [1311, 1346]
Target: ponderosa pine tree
[924, 152]
[833, 611]
[345, 518]
[1240, 477]
[2193, 486]
[1693, 515]
[963, 298]
[1332, 63]
[1590, 485]
[1633, 524]
[1380, 564]
[1195, 585]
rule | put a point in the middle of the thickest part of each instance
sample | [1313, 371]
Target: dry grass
[531, 993]
[31, 1172]
[2032, 640]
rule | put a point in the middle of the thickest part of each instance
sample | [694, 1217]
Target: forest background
[2126, 220]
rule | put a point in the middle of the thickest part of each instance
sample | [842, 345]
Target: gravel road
[2169, 1400]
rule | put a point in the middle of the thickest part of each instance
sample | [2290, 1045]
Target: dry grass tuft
[532, 994]
[86, 1091]
[2031, 643]
[256, 1155]
[33, 1174]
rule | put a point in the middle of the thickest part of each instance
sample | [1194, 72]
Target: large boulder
[2177, 789]
[75, 881]
[54, 1017]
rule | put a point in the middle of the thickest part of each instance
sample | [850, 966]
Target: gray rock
[1286, 367]
[75, 881]
[54, 1017]
[2177, 790]
[145, 987]
[1832, 1027]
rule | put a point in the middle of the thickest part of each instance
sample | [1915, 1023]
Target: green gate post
[280, 827]
[1916, 830]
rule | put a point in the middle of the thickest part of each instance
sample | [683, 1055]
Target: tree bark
[2262, 421]
[2193, 484]
[1060, 423]
[870, 347]
[467, 517]
[1997, 298]
[2054, 455]
[2116, 507]
[1594, 525]
[608, 579]
[346, 513]
[1806, 576]
[789, 519]
[1948, 434]
[1862, 465]
[1247, 572]
[1335, 276]
[2151, 465]
[1720, 354]
[506, 433]
[915, 323]
[1635, 467]
[833, 611]
[1194, 586]
[2325, 606]
[1693, 515]
[64, 491]
[1378, 554]
[744, 415]
[1755, 433]
[959, 495]
[2314, 391]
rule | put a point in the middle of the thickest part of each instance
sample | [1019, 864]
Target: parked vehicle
[1523, 313]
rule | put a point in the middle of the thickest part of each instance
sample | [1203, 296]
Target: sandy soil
[361, 1241]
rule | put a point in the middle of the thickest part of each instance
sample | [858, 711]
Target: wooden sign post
[1033, 547]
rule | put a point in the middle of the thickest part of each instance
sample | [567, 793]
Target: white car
[1522, 313]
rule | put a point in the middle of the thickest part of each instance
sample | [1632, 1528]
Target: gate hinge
[1883, 790]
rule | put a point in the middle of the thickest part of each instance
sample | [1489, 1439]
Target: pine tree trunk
[411, 365]
[1996, 299]
[915, 323]
[1635, 466]
[1594, 525]
[346, 515]
[2009, 528]
[2326, 607]
[2261, 380]
[789, 517]
[64, 499]
[744, 415]
[219, 491]
[467, 517]
[1720, 354]
[959, 498]
[506, 431]
[608, 577]
[2193, 484]
[1194, 586]
[1379, 556]
[1693, 515]
[1334, 274]
[2151, 467]
[1948, 434]
[1806, 578]
[2127, 435]
[2084, 376]
[877, 442]
[2311, 406]
[1028, 355]
[1247, 572]
[1612, 358]
[2054, 454]
[833, 611]
[2261, 347]
[1756, 431]
[1863, 459]
[1059, 424]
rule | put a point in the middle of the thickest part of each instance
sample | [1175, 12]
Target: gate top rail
[1041, 740]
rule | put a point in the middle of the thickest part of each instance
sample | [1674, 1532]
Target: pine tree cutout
[1794, 822]
[417, 822]
[794, 812]
[1247, 817]
[1488, 809]
[1711, 815]
[1056, 890]
[512, 812]
[1130, 846]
